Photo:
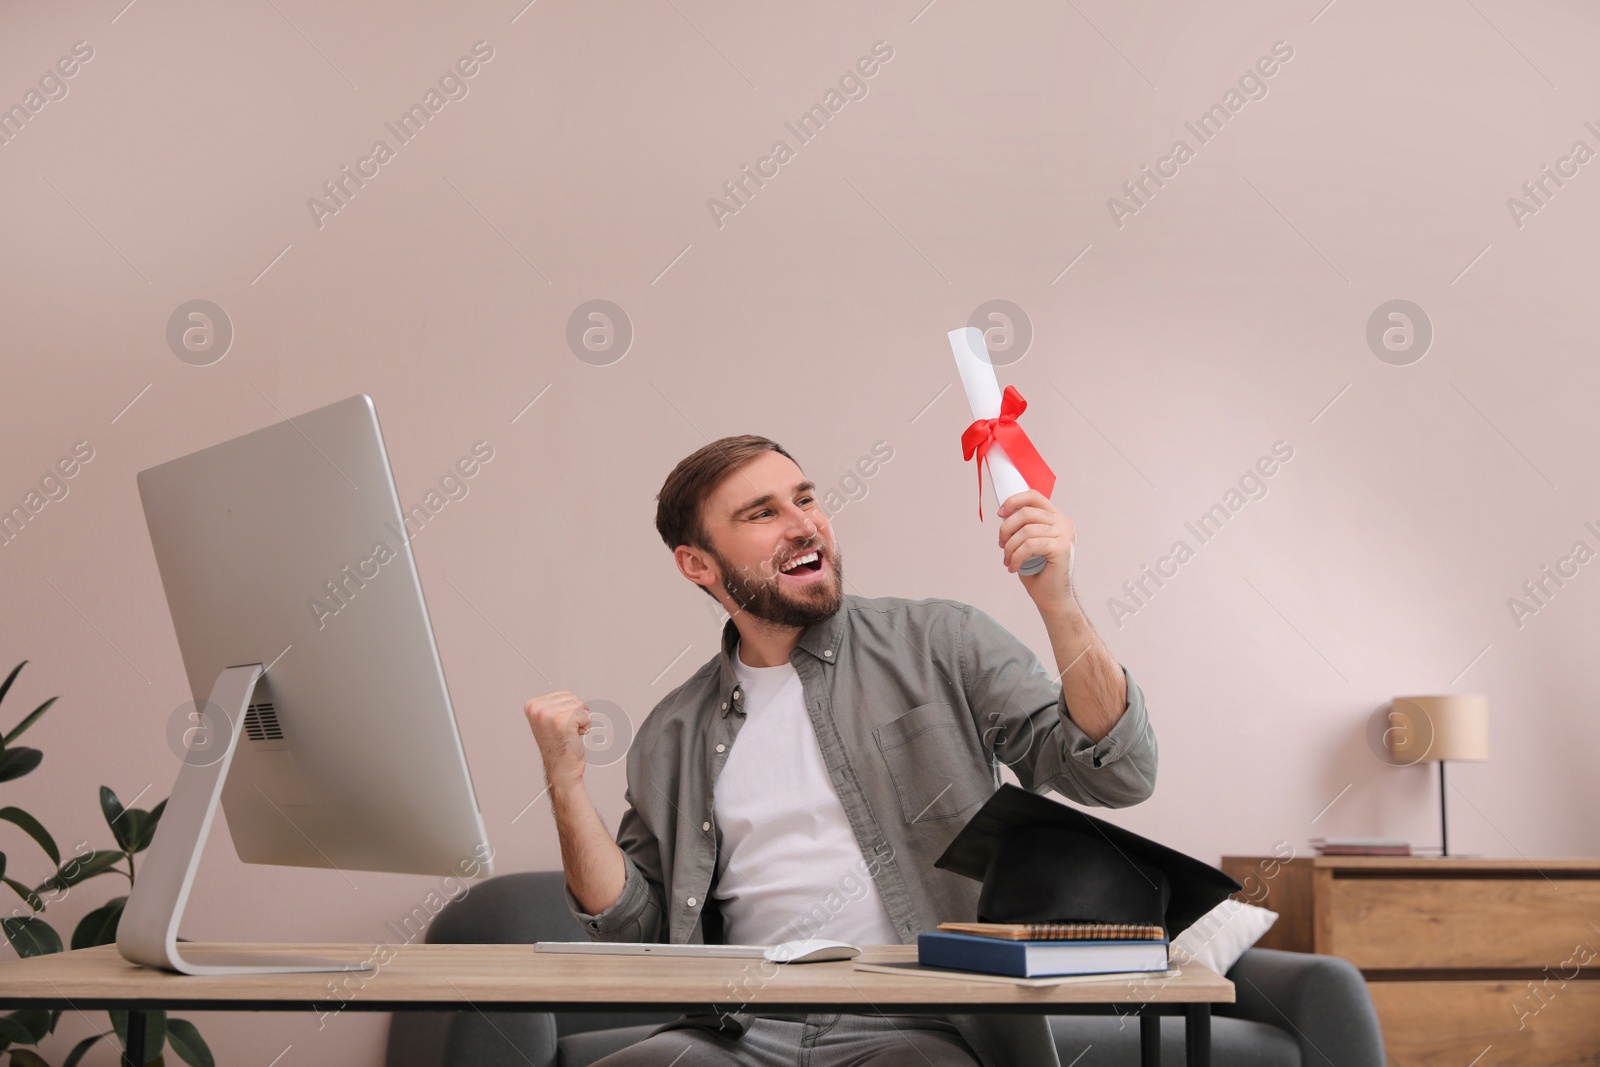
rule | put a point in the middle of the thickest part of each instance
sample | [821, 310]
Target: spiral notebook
[1059, 931]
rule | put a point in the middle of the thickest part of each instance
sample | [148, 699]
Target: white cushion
[1222, 935]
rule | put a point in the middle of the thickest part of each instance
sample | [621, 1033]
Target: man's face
[762, 521]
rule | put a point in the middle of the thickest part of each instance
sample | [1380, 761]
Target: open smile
[804, 569]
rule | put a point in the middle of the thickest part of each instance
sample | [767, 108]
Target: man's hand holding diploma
[1031, 526]
[1092, 682]
[1033, 532]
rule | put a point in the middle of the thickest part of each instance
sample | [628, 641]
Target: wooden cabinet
[1487, 963]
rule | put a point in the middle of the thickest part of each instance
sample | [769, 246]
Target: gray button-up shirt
[915, 704]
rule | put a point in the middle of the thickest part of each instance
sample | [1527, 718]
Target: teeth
[809, 557]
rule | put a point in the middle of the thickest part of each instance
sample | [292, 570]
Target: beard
[759, 591]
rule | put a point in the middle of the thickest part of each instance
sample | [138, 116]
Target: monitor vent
[261, 723]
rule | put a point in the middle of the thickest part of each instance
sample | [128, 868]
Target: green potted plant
[132, 829]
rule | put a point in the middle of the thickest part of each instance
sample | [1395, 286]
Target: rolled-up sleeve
[1021, 713]
[636, 914]
[1128, 753]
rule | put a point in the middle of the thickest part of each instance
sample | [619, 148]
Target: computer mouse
[811, 950]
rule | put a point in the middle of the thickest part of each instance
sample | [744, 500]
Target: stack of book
[1361, 846]
[1042, 950]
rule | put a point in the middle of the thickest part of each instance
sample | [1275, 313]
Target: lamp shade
[1453, 727]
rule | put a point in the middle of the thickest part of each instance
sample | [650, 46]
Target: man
[867, 731]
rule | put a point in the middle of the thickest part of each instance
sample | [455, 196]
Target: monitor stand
[147, 933]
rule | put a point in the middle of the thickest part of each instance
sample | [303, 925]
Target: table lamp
[1439, 728]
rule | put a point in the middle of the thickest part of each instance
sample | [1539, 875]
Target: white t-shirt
[789, 865]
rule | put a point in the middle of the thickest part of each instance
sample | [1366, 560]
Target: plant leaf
[12, 1030]
[34, 829]
[21, 1057]
[33, 899]
[81, 1049]
[31, 936]
[36, 1022]
[99, 927]
[155, 1032]
[33, 717]
[147, 828]
[82, 868]
[113, 810]
[5, 686]
[16, 762]
[186, 1041]
[132, 821]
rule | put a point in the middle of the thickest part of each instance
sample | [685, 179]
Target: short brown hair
[678, 518]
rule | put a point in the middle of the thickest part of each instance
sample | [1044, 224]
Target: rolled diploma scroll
[983, 394]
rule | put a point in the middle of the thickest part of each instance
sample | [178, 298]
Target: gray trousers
[804, 1041]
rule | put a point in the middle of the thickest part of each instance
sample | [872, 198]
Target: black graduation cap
[1041, 862]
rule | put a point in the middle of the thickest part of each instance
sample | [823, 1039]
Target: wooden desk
[1465, 958]
[487, 978]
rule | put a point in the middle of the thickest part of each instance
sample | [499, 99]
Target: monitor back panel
[286, 547]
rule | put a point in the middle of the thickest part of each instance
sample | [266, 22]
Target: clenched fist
[559, 721]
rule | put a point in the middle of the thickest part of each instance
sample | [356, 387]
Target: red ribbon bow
[1011, 437]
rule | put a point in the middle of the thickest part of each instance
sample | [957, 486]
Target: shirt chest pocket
[930, 758]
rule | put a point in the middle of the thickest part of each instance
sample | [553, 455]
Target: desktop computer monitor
[321, 718]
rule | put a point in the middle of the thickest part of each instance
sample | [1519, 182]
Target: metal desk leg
[1149, 1039]
[133, 1051]
[1197, 1035]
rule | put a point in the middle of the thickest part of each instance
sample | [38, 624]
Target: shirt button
[724, 705]
[690, 902]
[737, 694]
[705, 826]
[722, 748]
[827, 653]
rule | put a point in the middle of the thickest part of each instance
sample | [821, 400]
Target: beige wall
[1222, 316]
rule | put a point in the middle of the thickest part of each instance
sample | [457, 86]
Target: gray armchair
[1293, 1009]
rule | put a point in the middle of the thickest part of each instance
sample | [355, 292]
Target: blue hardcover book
[1039, 959]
